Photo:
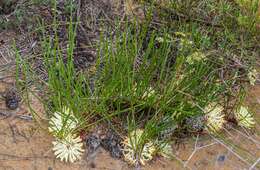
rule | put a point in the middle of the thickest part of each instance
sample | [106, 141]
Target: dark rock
[112, 144]
[93, 143]
[221, 158]
[92, 165]
[12, 98]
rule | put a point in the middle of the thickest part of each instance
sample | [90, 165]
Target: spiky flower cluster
[244, 118]
[252, 76]
[214, 118]
[62, 121]
[68, 149]
[131, 145]
[67, 146]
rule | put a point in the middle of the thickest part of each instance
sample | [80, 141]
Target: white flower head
[64, 120]
[214, 118]
[252, 76]
[244, 118]
[68, 149]
[130, 145]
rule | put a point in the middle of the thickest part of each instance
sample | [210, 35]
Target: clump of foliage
[193, 69]
[249, 16]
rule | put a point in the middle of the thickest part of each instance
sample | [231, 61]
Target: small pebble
[221, 158]
[92, 165]
[12, 98]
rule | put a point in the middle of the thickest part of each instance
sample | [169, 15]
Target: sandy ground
[24, 145]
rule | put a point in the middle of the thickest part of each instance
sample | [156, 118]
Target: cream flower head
[244, 118]
[64, 120]
[214, 118]
[68, 149]
[252, 76]
[130, 145]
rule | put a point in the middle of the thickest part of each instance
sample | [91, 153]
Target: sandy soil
[25, 146]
